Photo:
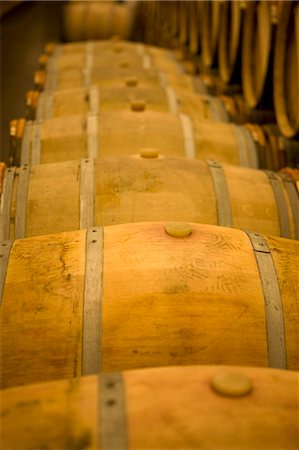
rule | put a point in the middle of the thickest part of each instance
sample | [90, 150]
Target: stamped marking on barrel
[277, 357]
[231, 384]
[21, 207]
[294, 200]
[91, 348]
[280, 200]
[113, 425]
[224, 211]
[138, 105]
[5, 248]
[187, 127]
[5, 203]
[86, 193]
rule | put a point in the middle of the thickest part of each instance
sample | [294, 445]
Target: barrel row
[118, 410]
[250, 42]
[75, 302]
[75, 195]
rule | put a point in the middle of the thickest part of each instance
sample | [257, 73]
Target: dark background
[25, 29]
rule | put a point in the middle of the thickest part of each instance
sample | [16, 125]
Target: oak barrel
[222, 408]
[110, 133]
[159, 294]
[145, 187]
[286, 70]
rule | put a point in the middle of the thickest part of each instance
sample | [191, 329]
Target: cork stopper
[178, 229]
[231, 384]
[39, 79]
[149, 153]
[42, 60]
[138, 105]
[31, 104]
[49, 48]
[132, 81]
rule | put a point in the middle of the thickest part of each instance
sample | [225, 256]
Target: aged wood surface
[177, 405]
[166, 301]
[135, 188]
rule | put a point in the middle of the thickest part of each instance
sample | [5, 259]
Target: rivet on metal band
[242, 146]
[36, 143]
[26, 141]
[224, 212]
[91, 346]
[5, 247]
[21, 208]
[171, 100]
[294, 200]
[281, 205]
[189, 144]
[113, 424]
[273, 305]
[86, 193]
[5, 203]
[218, 111]
[40, 107]
[94, 99]
[92, 136]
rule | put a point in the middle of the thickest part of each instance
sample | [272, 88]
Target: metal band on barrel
[21, 207]
[218, 111]
[199, 87]
[89, 53]
[146, 62]
[282, 209]
[40, 107]
[113, 424]
[86, 193]
[94, 99]
[5, 247]
[36, 143]
[224, 212]
[91, 351]
[26, 141]
[171, 100]
[5, 204]
[187, 127]
[92, 136]
[277, 357]
[294, 200]
[247, 151]
[48, 106]
[163, 79]
[53, 70]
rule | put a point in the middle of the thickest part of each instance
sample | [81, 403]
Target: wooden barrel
[217, 407]
[95, 99]
[160, 294]
[209, 32]
[97, 20]
[229, 45]
[2, 175]
[195, 18]
[145, 188]
[110, 133]
[257, 68]
[286, 70]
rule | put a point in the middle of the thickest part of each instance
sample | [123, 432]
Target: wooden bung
[144, 187]
[78, 301]
[128, 410]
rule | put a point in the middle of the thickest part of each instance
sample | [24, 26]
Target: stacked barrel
[149, 258]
